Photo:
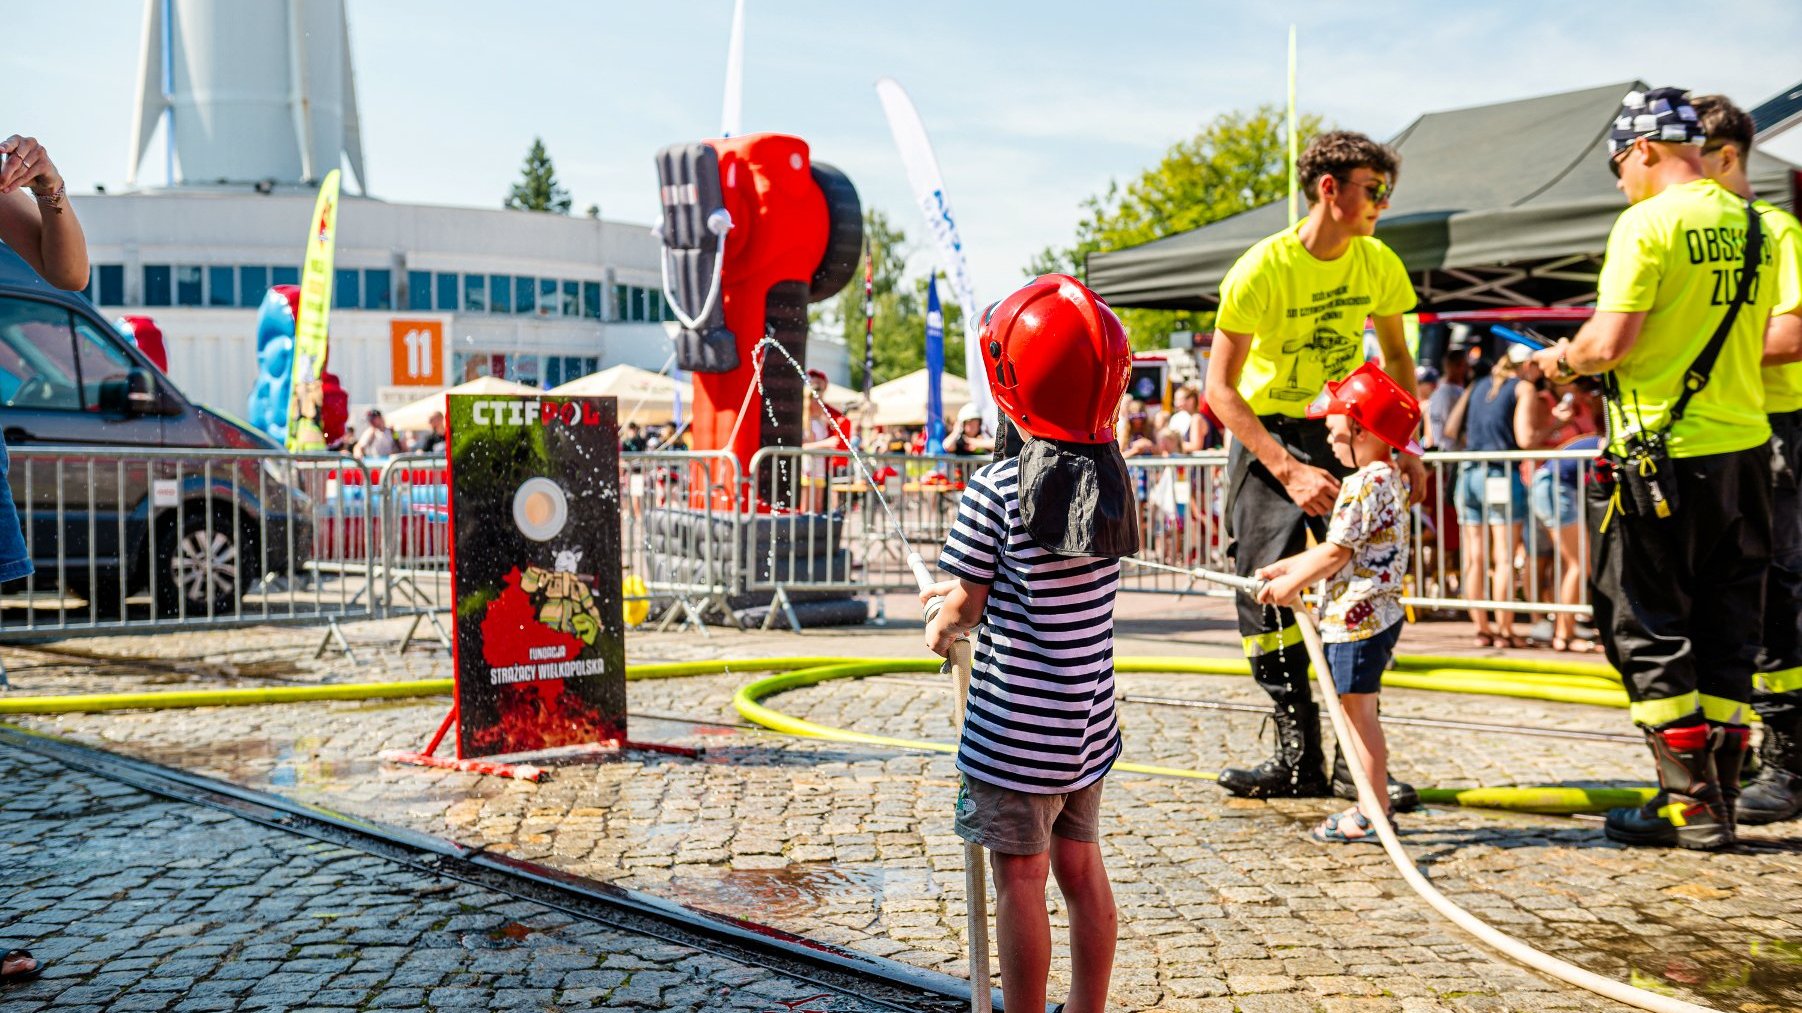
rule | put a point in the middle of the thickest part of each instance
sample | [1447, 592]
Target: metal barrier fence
[134, 539]
[1498, 531]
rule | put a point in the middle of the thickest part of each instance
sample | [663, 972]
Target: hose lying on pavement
[795, 672]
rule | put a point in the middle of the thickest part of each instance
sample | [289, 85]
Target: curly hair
[1338, 152]
[1724, 123]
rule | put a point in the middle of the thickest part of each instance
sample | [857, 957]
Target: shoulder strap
[1696, 377]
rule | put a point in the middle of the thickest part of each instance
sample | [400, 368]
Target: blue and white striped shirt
[1041, 710]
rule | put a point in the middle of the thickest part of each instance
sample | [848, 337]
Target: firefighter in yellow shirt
[1776, 793]
[1292, 313]
[1681, 529]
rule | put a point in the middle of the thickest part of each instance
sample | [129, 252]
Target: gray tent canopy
[1498, 205]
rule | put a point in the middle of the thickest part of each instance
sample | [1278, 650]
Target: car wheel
[204, 567]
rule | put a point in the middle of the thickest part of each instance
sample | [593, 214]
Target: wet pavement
[138, 902]
[1225, 904]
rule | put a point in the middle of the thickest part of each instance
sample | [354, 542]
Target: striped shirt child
[1041, 708]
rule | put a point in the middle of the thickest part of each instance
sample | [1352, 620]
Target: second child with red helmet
[1035, 553]
[1363, 559]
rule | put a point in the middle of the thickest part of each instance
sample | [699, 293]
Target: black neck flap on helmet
[1076, 499]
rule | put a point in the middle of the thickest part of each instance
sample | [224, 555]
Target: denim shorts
[1358, 665]
[1561, 514]
[15, 562]
[1476, 505]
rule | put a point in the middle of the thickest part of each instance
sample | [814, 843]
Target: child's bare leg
[1367, 737]
[1094, 922]
[1022, 927]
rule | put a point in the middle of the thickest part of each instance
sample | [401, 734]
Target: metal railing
[134, 539]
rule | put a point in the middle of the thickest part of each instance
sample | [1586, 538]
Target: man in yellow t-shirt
[1292, 313]
[1678, 590]
[1776, 793]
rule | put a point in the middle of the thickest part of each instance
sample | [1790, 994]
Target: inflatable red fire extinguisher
[753, 230]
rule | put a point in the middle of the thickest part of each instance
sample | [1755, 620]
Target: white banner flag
[732, 115]
[929, 190]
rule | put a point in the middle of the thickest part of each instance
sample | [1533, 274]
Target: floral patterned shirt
[1371, 519]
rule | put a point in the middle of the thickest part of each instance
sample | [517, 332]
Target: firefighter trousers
[1679, 600]
[1777, 685]
[1265, 525]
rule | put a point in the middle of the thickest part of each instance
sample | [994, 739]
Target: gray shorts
[1021, 823]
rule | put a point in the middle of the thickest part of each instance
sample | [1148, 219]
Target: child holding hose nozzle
[1035, 551]
[1363, 559]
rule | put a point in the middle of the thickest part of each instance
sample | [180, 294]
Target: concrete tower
[248, 91]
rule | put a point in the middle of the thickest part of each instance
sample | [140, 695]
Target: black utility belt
[1291, 424]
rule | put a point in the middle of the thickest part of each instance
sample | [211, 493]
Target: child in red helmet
[1363, 559]
[1035, 552]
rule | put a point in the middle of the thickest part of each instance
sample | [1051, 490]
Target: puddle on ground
[792, 895]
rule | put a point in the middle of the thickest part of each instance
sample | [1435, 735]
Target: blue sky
[1031, 106]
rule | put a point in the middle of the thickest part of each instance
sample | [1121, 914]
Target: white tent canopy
[645, 397]
[902, 401]
[415, 417]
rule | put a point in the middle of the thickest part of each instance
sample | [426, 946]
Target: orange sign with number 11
[417, 347]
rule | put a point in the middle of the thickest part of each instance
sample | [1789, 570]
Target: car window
[37, 356]
[101, 360]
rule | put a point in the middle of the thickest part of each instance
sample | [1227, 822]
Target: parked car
[100, 525]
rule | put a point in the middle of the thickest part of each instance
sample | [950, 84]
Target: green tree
[1237, 162]
[538, 189]
[900, 303]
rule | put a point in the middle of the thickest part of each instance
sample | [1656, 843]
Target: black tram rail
[874, 980]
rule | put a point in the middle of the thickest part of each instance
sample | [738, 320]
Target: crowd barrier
[134, 539]
[1522, 513]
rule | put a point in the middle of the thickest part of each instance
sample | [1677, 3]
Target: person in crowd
[434, 435]
[827, 429]
[1135, 430]
[1426, 381]
[1500, 412]
[38, 224]
[377, 441]
[670, 438]
[1681, 529]
[1040, 571]
[1553, 497]
[969, 436]
[1291, 318]
[1363, 558]
[631, 439]
[1454, 371]
[1776, 792]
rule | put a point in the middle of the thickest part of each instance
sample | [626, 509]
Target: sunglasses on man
[1615, 160]
[1378, 191]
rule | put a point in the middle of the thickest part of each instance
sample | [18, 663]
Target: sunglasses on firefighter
[1615, 160]
[1377, 190]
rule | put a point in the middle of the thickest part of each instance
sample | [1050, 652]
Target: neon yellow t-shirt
[1783, 384]
[1675, 257]
[1306, 315]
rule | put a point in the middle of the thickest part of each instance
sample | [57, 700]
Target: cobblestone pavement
[141, 903]
[1225, 904]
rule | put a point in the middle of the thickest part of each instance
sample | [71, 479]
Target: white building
[253, 108]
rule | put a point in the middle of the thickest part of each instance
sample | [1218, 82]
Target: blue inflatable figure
[269, 396]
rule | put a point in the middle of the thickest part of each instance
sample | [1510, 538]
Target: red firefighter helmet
[1057, 359]
[1371, 399]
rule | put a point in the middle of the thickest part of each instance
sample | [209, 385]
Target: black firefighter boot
[1298, 770]
[1731, 743]
[1687, 811]
[1402, 797]
[1776, 793]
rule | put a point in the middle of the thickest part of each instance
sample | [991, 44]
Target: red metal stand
[518, 771]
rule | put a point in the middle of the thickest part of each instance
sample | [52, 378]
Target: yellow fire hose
[795, 672]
